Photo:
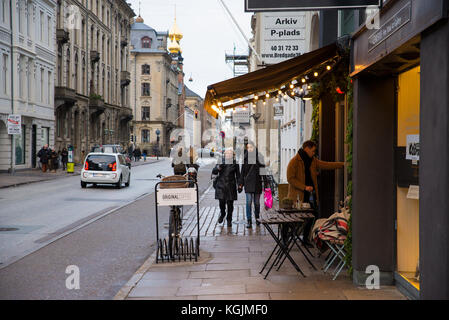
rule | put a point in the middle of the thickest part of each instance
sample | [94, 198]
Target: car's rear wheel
[83, 184]
[118, 185]
[129, 181]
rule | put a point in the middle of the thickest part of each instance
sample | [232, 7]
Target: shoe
[257, 223]
[249, 225]
[220, 220]
[229, 224]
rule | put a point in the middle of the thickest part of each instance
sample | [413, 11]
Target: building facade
[92, 99]
[27, 64]
[155, 89]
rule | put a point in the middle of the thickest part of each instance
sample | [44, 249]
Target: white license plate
[98, 175]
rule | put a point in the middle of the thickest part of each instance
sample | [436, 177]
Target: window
[20, 146]
[42, 86]
[145, 89]
[49, 30]
[145, 136]
[146, 42]
[145, 113]
[49, 88]
[41, 35]
[5, 74]
[145, 69]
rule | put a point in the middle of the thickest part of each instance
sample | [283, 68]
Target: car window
[100, 162]
[108, 149]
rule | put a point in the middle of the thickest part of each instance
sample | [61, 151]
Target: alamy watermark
[373, 280]
[72, 282]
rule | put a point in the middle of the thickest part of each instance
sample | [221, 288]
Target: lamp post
[158, 132]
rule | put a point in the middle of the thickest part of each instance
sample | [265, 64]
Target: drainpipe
[12, 168]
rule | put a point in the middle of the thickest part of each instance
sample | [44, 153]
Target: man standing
[44, 155]
[302, 174]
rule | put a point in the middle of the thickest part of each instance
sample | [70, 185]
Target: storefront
[401, 148]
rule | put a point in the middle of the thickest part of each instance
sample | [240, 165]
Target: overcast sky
[208, 34]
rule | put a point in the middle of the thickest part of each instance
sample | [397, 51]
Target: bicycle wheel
[172, 228]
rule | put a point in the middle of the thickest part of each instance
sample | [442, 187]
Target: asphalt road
[107, 251]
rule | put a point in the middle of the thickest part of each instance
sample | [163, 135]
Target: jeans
[252, 198]
[230, 205]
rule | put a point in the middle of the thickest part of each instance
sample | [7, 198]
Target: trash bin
[70, 167]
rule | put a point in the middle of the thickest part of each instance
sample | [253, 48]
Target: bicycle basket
[174, 185]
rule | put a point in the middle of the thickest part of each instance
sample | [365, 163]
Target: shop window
[145, 113]
[20, 144]
[45, 135]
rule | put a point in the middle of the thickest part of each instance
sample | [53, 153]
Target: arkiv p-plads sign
[294, 5]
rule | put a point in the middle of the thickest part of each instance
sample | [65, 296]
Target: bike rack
[182, 249]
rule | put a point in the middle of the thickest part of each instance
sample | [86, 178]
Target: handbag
[268, 198]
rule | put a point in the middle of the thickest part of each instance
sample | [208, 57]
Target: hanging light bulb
[280, 92]
[315, 74]
[267, 95]
[264, 102]
[219, 104]
[303, 80]
[292, 86]
[328, 68]
[309, 87]
[256, 97]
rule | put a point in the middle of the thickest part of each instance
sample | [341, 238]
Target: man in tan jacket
[302, 174]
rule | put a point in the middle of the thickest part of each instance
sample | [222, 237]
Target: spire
[139, 19]
[175, 32]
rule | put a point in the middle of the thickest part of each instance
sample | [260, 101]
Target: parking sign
[14, 124]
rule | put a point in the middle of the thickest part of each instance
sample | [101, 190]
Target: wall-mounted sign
[176, 197]
[282, 36]
[14, 124]
[401, 18]
[412, 147]
[278, 112]
[294, 5]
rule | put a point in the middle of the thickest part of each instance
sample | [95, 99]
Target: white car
[106, 168]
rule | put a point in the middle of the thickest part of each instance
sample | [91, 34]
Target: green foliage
[95, 96]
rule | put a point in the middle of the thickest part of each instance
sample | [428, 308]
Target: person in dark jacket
[137, 154]
[226, 186]
[64, 158]
[253, 181]
[44, 155]
[54, 160]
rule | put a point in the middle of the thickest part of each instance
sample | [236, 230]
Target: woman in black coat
[226, 186]
[252, 180]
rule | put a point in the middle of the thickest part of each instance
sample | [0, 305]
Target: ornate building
[156, 92]
[27, 70]
[92, 100]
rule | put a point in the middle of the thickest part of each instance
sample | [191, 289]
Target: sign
[176, 197]
[392, 25]
[283, 36]
[14, 124]
[241, 116]
[413, 193]
[412, 147]
[295, 5]
[278, 112]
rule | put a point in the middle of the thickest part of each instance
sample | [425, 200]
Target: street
[59, 224]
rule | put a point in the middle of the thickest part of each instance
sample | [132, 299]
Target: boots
[221, 218]
[249, 225]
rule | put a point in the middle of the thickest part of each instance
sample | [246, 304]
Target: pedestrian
[144, 154]
[252, 180]
[44, 155]
[54, 160]
[64, 158]
[226, 186]
[137, 154]
[302, 174]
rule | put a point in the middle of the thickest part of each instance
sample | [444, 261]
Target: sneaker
[249, 225]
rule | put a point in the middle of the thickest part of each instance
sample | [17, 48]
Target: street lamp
[158, 132]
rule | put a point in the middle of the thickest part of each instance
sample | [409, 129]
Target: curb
[127, 288]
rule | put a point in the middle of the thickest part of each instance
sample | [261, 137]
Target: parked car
[106, 168]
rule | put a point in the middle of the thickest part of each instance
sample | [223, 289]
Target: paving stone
[153, 292]
[251, 296]
[197, 291]
[284, 287]
[219, 274]
[381, 294]
[232, 266]
[170, 283]
[309, 295]
[160, 275]
[228, 261]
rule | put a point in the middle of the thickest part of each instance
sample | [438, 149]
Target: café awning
[275, 79]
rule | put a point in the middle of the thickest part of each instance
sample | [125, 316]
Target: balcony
[94, 56]
[66, 95]
[62, 36]
[123, 41]
[125, 78]
[96, 105]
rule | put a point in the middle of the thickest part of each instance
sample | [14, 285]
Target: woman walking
[251, 179]
[226, 186]
[64, 158]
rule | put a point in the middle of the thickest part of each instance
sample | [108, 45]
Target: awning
[272, 80]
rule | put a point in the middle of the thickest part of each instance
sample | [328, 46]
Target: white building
[27, 64]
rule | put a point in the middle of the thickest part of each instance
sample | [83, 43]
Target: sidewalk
[229, 266]
[27, 176]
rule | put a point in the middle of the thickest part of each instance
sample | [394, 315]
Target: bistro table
[293, 221]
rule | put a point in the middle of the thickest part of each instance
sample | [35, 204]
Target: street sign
[278, 112]
[283, 36]
[295, 5]
[176, 197]
[14, 124]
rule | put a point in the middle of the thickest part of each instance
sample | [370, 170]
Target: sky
[208, 31]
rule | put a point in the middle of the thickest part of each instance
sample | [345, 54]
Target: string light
[256, 97]
[315, 74]
[267, 95]
[328, 68]
[280, 91]
[303, 80]
[292, 86]
[219, 104]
